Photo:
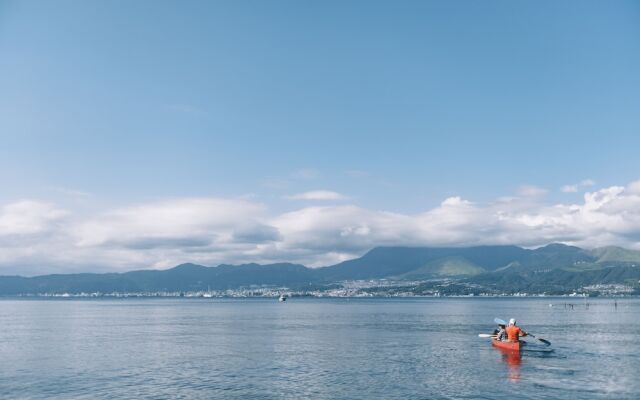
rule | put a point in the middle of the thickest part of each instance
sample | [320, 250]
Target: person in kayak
[500, 333]
[514, 332]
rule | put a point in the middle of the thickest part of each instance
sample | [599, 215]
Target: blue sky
[391, 106]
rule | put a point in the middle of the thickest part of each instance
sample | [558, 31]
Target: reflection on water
[313, 348]
[513, 359]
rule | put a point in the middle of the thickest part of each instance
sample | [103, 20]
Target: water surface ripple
[313, 348]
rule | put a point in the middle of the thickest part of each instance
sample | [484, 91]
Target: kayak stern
[506, 345]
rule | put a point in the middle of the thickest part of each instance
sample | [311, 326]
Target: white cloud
[217, 230]
[455, 201]
[633, 187]
[573, 188]
[178, 220]
[156, 234]
[318, 195]
[28, 217]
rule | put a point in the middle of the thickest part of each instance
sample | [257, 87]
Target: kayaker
[514, 332]
[500, 333]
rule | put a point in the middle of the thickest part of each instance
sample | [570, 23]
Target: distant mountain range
[555, 268]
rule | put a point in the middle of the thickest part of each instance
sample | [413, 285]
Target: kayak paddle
[499, 321]
[545, 341]
[486, 335]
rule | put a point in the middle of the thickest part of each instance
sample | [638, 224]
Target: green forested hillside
[554, 268]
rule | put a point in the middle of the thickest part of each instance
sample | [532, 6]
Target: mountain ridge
[511, 267]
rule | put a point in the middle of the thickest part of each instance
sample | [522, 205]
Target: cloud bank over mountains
[40, 237]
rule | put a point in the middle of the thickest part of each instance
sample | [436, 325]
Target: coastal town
[357, 289]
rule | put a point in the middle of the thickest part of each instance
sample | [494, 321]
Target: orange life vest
[514, 332]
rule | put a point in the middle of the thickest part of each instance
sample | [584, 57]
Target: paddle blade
[486, 335]
[545, 341]
[499, 321]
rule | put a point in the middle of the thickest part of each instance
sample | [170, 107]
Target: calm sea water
[314, 348]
